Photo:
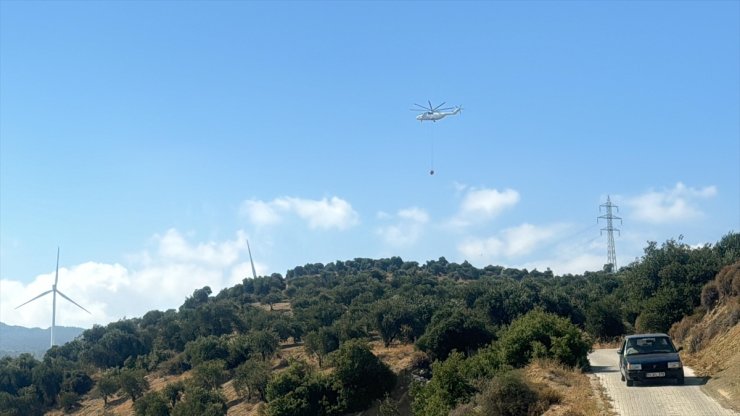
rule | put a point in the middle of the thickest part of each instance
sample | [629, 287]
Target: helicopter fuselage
[436, 115]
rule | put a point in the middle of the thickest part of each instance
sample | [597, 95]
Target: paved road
[654, 399]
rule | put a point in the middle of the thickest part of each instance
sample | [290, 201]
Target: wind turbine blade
[45, 293]
[254, 273]
[78, 305]
[56, 278]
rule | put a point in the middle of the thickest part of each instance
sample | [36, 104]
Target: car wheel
[630, 383]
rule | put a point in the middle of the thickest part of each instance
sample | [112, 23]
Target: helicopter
[432, 113]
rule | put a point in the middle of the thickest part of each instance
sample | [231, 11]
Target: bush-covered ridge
[473, 325]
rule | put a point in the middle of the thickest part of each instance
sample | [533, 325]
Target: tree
[604, 318]
[400, 318]
[69, 400]
[448, 387]
[77, 381]
[252, 378]
[321, 342]
[667, 306]
[198, 401]
[363, 377]
[114, 347]
[151, 404]
[209, 374]
[454, 328]
[16, 373]
[272, 298]
[26, 403]
[47, 377]
[263, 342]
[205, 349]
[199, 297]
[133, 383]
[108, 385]
[172, 392]
[301, 391]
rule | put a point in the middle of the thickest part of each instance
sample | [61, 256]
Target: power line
[610, 217]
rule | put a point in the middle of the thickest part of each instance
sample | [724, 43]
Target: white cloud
[172, 245]
[407, 230]
[510, 243]
[260, 213]
[575, 264]
[479, 205]
[670, 205]
[160, 278]
[319, 214]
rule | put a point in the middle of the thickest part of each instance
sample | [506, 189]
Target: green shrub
[205, 349]
[210, 374]
[362, 376]
[198, 401]
[69, 400]
[301, 391]
[448, 387]
[508, 395]
[252, 377]
[454, 329]
[604, 319]
[151, 404]
[542, 335]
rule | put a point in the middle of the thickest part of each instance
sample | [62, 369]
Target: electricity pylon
[610, 217]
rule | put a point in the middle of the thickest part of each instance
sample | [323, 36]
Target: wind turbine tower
[610, 217]
[54, 292]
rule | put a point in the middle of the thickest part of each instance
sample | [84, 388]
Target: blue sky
[150, 140]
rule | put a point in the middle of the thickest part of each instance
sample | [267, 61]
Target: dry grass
[608, 343]
[711, 340]
[720, 360]
[276, 307]
[578, 395]
[397, 356]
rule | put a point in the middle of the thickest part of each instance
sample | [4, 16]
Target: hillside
[368, 336]
[711, 337]
[15, 340]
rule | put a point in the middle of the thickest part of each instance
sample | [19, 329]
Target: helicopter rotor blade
[437, 107]
[421, 106]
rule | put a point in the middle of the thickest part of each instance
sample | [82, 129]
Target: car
[647, 357]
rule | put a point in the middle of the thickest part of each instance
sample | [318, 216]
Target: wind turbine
[54, 292]
[254, 273]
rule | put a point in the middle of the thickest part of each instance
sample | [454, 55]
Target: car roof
[646, 335]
